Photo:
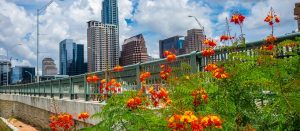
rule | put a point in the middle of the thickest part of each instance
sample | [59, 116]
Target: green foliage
[262, 92]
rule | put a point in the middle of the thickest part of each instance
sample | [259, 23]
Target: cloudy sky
[156, 19]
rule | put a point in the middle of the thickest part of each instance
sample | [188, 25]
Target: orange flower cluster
[199, 95]
[133, 103]
[220, 73]
[210, 67]
[237, 18]
[145, 76]
[189, 120]
[270, 39]
[157, 96]
[217, 72]
[112, 85]
[83, 115]
[118, 68]
[208, 52]
[170, 56]
[272, 18]
[268, 47]
[92, 79]
[63, 121]
[210, 42]
[165, 72]
[181, 122]
[226, 37]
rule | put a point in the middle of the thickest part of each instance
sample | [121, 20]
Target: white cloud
[157, 19]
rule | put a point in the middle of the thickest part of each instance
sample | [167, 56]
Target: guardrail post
[71, 89]
[86, 94]
[138, 71]
[51, 89]
[193, 62]
[60, 90]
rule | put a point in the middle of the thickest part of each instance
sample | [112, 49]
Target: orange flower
[166, 53]
[270, 39]
[210, 67]
[225, 38]
[277, 20]
[83, 115]
[220, 73]
[89, 79]
[118, 68]
[237, 18]
[63, 121]
[103, 81]
[272, 18]
[208, 52]
[145, 76]
[210, 42]
[95, 78]
[133, 103]
[216, 120]
[171, 58]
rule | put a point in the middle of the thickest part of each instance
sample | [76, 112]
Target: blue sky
[156, 19]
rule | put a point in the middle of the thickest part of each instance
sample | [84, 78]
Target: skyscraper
[133, 51]
[194, 41]
[70, 58]
[110, 12]
[23, 74]
[103, 46]
[49, 67]
[297, 14]
[5, 72]
[173, 44]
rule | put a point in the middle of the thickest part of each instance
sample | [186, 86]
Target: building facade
[133, 51]
[5, 71]
[297, 14]
[194, 41]
[71, 58]
[49, 67]
[110, 12]
[173, 44]
[103, 46]
[23, 74]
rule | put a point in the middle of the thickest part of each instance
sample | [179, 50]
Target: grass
[3, 126]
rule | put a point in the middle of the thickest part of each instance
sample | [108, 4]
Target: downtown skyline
[151, 18]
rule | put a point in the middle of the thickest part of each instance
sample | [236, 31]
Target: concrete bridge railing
[76, 87]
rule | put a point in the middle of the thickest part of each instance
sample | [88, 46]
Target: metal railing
[76, 87]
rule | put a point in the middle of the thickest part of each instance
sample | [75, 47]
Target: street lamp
[30, 75]
[201, 26]
[38, 12]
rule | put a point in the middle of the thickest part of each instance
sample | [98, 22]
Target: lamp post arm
[44, 7]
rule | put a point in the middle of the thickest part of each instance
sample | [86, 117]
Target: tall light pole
[38, 12]
[30, 76]
[201, 26]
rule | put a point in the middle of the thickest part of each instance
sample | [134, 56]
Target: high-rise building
[194, 41]
[80, 68]
[5, 71]
[173, 44]
[23, 74]
[103, 46]
[297, 14]
[133, 51]
[49, 67]
[71, 58]
[110, 12]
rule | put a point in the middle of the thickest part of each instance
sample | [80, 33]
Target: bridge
[74, 94]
